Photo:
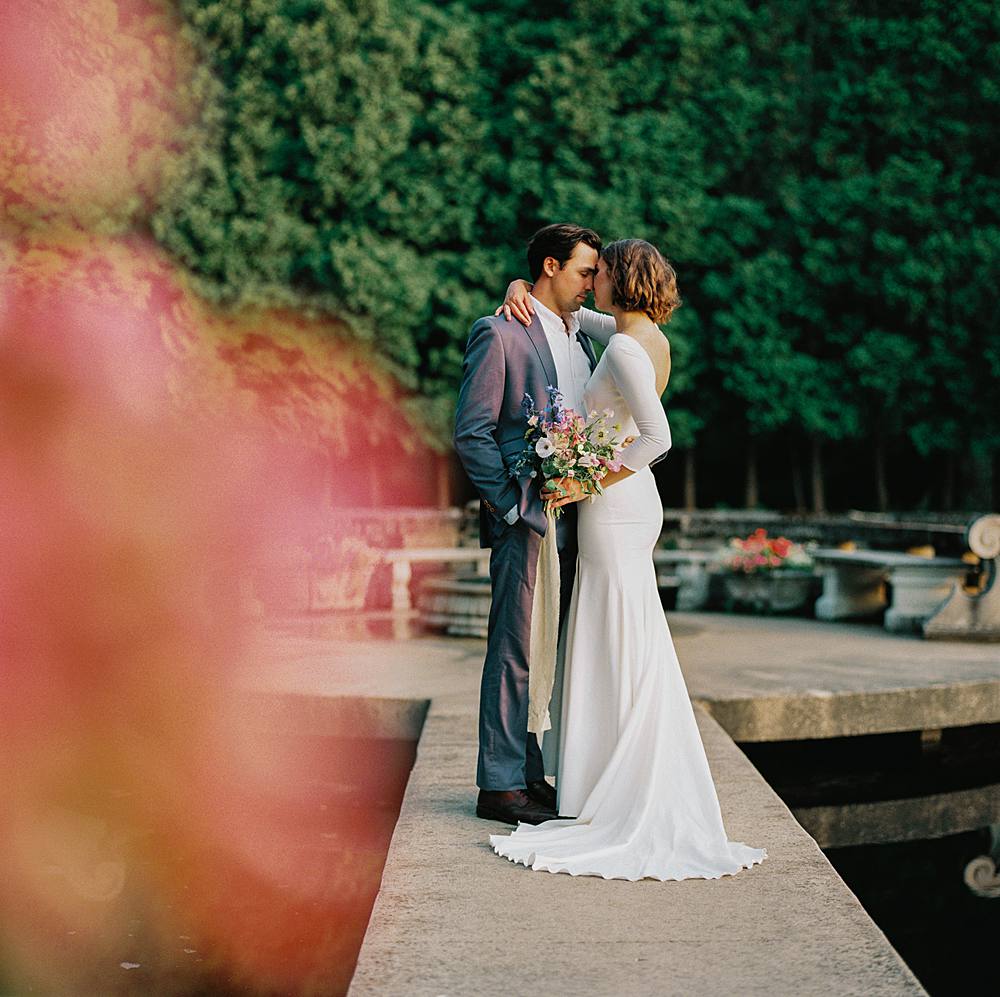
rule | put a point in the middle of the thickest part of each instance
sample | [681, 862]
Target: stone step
[474, 585]
[460, 607]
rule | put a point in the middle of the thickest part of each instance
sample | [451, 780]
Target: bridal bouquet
[561, 443]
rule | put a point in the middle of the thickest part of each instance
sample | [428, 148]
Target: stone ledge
[452, 918]
[334, 716]
[822, 713]
[909, 819]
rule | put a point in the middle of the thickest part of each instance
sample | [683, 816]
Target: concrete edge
[822, 713]
[335, 716]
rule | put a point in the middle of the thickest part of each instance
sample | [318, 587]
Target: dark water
[342, 831]
[913, 890]
[277, 904]
[915, 893]
[869, 767]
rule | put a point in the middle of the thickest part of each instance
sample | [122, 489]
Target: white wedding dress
[631, 762]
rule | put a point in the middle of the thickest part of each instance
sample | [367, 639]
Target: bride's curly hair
[641, 279]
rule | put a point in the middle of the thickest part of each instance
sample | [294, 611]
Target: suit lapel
[537, 336]
[588, 348]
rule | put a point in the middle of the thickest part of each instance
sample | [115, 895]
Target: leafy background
[823, 177]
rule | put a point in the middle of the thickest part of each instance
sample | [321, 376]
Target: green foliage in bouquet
[563, 443]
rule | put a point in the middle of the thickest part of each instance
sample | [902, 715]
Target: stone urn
[776, 591]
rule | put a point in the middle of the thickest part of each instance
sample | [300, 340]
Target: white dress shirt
[572, 365]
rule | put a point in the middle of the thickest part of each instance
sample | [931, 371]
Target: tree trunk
[979, 494]
[752, 498]
[798, 485]
[948, 485]
[690, 482]
[881, 485]
[818, 493]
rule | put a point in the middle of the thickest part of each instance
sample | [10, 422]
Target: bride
[632, 767]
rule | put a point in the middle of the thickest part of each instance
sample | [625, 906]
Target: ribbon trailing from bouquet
[544, 632]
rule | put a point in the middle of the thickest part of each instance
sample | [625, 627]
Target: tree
[896, 214]
[332, 165]
[824, 181]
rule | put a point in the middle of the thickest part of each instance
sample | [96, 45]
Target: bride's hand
[517, 302]
[558, 492]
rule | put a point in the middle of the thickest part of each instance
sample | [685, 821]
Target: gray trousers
[509, 757]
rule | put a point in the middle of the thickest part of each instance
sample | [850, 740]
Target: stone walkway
[762, 678]
[783, 679]
[452, 918]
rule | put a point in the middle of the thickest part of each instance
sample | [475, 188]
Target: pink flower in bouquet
[561, 443]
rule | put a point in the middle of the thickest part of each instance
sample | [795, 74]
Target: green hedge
[824, 178]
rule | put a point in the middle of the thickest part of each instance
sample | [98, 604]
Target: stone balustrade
[974, 616]
[401, 562]
[916, 593]
[883, 531]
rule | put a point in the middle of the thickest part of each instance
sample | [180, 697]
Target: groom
[503, 361]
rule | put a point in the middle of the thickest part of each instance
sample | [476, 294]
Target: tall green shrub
[336, 166]
[823, 178]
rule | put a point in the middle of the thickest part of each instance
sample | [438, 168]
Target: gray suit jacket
[503, 360]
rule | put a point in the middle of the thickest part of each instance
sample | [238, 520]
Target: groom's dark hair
[558, 241]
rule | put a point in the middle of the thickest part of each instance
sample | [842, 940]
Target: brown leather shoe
[511, 806]
[541, 792]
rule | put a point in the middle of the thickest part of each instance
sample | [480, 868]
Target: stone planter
[775, 591]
